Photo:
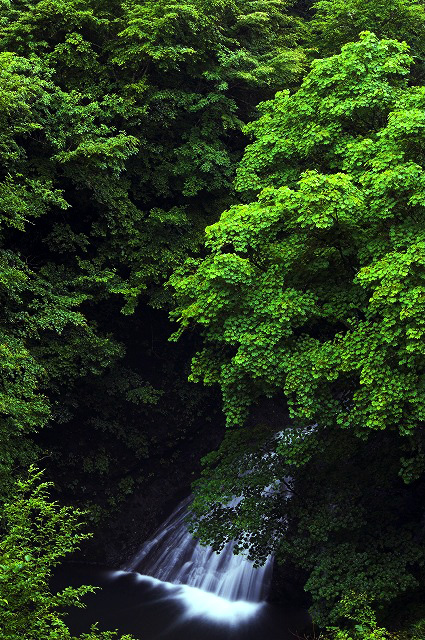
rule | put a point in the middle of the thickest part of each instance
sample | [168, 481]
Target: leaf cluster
[38, 533]
[312, 291]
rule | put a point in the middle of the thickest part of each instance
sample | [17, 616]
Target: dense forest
[212, 246]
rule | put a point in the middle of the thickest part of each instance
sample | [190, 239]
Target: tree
[38, 533]
[121, 131]
[336, 23]
[314, 291]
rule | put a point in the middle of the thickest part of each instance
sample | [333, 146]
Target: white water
[176, 590]
[196, 603]
[174, 556]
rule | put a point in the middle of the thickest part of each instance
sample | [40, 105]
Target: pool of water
[155, 610]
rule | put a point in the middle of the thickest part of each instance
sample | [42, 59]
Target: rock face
[287, 586]
[167, 480]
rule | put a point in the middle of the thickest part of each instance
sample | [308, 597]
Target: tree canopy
[120, 134]
[257, 169]
[313, 290]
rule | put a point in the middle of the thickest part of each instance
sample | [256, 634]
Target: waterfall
[173, 555]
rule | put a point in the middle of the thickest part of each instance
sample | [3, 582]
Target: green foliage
[313, 285]
[119, 137]
[94, 634]
[337, 22]
[38, 533]
[121, 127]
[327, 500]
[361, 624]
[313, 291]
[356, 609]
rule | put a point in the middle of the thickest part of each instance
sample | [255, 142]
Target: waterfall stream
[173, 555]
[174, 589]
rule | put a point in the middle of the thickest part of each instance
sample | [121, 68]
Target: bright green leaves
[152, 28]
[343, 97]
[313, 290]
[249, 40]
[27, 94]
[331, 302]
[23, 407]
[49, 22]
[22, 200]
[250, 309]
[38, 533]
[324, 201]
[391, 381]
[110, 153]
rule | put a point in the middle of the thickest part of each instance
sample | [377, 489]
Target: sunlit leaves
[313, 291]
[38, 533]
[318, 239]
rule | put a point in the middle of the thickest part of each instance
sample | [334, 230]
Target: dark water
[155, 610]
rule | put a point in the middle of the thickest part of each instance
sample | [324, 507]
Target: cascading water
[174, 556]
[174, 589]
